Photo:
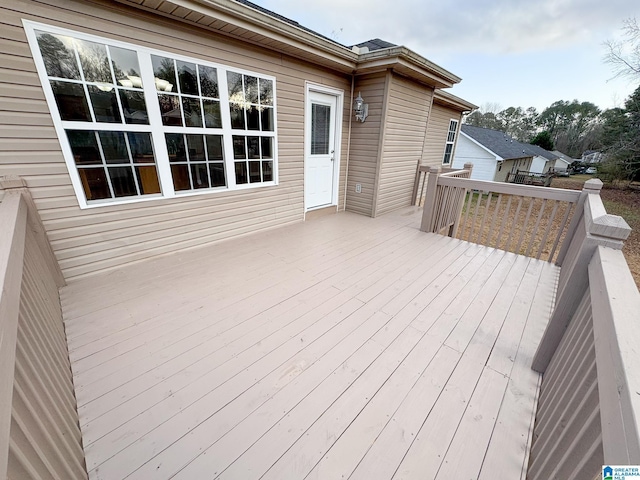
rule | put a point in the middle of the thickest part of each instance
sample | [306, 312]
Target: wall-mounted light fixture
[360, 108]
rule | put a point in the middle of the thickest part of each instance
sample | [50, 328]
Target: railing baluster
[514, 223]
[535, 229]
[485, 215]
[475, 215]
[548, 229]
[504, 220]
[468, 201]
[495, 217]
[524, 225]
[565, 219]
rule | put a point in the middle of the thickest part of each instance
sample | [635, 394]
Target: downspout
[346, 175]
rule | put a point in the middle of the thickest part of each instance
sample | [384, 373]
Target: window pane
[251, 89]
[180, 174]
[253, 118]
[196, 148]
[214, 147]
[254, 172]
[212, 116]
[239, 147]
[188, 78]
[208, 82]
[94, 183]
[447, 153]
[267, 120]
[199, 175]
[217, 174]
[148, 180]
[234, 83]
[165, 73]
[134, 107]
[126, 67]
[253, 147]
[267, 147]
[141, 147]
[320, 116]
[94, 61]
[237, 117]
[114, 147]
[122, 181]
[104, 103]
[170, 109]
[71, 101]
[267, 171]
[58, 55]
[84, 147]
[192, 114]
[175, 147]
[266, 92]
[241, 173]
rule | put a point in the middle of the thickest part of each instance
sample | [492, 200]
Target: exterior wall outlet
[358, 188]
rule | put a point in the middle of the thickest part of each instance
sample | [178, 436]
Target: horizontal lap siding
[92, 240]
[45, 439]
[365, 142]
[405, 127]
[433, 152]
[567, 438]
[484, 163]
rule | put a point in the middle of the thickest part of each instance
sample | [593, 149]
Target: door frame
[339, 94]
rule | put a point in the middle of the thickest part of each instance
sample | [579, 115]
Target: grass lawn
[618, 200]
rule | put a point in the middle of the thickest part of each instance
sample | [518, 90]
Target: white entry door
[320, 154]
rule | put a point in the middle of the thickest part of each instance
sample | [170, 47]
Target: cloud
[500, 26]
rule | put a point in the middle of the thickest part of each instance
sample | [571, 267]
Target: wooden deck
[342, 347]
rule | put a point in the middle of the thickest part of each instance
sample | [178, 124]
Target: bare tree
[624, 55]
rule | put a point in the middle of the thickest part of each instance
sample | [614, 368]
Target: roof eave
[448, 100]
[204, 13]
[407, 62]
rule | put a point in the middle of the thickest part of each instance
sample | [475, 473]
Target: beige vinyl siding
[91, 240]
[433, 151]
[365, 143]
[44, 437]
[404, 133]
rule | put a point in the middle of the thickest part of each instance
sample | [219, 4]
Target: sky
[507, 52]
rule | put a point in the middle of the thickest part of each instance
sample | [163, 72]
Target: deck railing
[588, 409]
[588, 412]
[420, 183]
[39, 432]
[524, 219]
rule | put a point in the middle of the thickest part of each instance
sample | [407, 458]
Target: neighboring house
[543, 160]
[144, 128]
[562, 161]
[592, 156]
[494, 154]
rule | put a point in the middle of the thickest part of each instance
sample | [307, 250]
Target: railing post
[596, 228]
[460, 198]
[430, 199]
[13, 221]
[590, 186]
[13, 183]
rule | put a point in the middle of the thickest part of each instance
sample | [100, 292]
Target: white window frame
[155, 126]
[451, 142]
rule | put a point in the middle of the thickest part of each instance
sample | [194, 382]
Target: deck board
[342, 347]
